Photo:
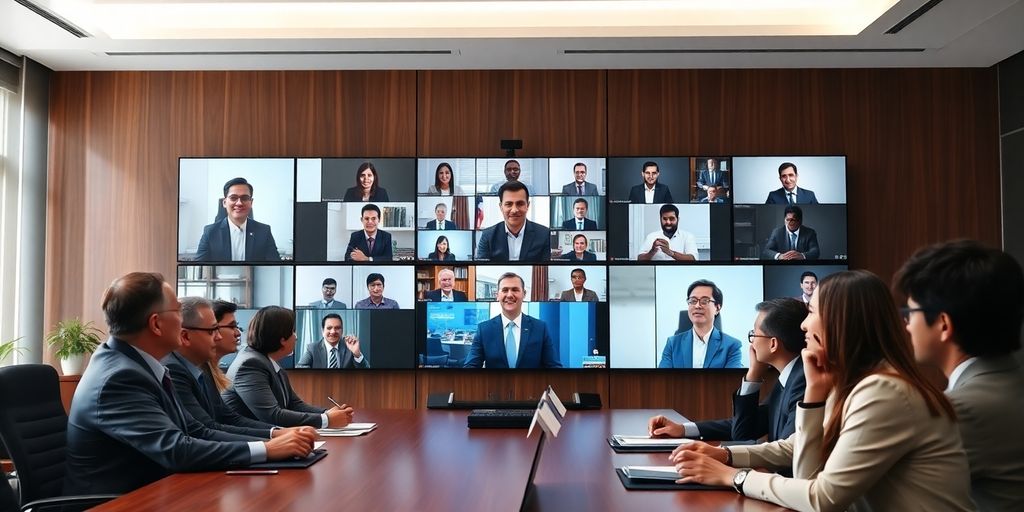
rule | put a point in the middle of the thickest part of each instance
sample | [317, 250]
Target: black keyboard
[500, 418]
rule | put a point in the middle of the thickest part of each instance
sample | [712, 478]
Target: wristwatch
[737, 481]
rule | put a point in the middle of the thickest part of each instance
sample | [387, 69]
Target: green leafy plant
[73, 337]
[10, 347]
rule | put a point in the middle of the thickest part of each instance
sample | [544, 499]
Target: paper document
[350, 430]
[652, 472]
[318, 444]
[649, 441]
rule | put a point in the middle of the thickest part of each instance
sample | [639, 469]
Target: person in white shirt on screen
[440, 223]
[670, 243]
[444, 178]
[329, 352]
[446, 291]
[808, 282]
[512, 170]
[789, 193]
[328, 289]
[237, 237]
[580, 186]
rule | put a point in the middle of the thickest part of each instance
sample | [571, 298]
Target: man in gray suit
[326, 353]
[328, 289]
[126, 427]
[965, 308]
[579, 186]
[578, 293]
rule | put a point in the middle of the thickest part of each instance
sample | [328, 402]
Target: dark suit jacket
[803, 196]
[589, 189]
[588, 224]
[215, 244]
[493, 243]
[704, 179]
[588, 296]
[334, 304]
[206, 405]
[447, 224]
[775, 417]
[661, 194]
[571, 256]
[125, 431]
[356, 194]
[315, 356]
[381, 245]
[723, 351]
[262, 394]
[435, 296]
[806, 243]
[536, 349]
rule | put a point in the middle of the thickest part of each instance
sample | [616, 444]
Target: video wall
[497, 263]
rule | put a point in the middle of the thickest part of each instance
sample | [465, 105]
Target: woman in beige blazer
[871, 433]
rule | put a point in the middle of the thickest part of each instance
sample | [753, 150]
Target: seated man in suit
[579, 250]
[328, 289]
[370, 243]
[702, 346]
[711, 179]
[580, 222]
[578, 293]
[515, 238]
[794, 241]
[440, 224]
[512, 171]
[789, 193]
[236, 237]
[965, 307]
[808, 283]
[669, 243]
[194, 386]
[775, 342]
[446, 291]
[262, 389]
[327, 354]
[512, 339]
[715, 195]
[579, 186]
[650, 191]
[126, 427]
[376, 300]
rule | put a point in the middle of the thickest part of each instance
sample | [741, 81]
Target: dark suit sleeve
[203, 252]
[352, 194]
[252, 383]
[715, 430]
[388, 255]
[814, 198]
[792, 398]
[306, 361]
[187, 390]
[771, 246]
[227, 416]
[668, 195]
[475, 359]
[750, 419]
[483, 245]
[702, 179]
[636, 194]
[271, 253]
[381, 195]
[813, 251]
[353, 244]
[548, 358]
[351, 361]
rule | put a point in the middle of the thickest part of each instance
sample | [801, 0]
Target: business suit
[261, 393]
[435, 296]
[315, 356]
[723, 351]
[493, 243]
[215, 244]
[448, 225]
[333, 304]
[891, 454]
[990, 409]
[355, 194]
[803, 196]
[570, 296]
[588, 225]
[589, 189]
[571, 256]
[381, 245]
[778, 243]
[775, 417]
[536, 349]
[704, 180]
[125, 431]
[661, 194]
[204, 403]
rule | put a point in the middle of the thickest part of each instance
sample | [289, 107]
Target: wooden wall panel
[376, 389]
[506, 385]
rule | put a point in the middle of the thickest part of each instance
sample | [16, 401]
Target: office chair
[685, 324]
[33, 427]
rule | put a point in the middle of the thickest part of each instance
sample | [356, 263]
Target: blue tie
[510, 345]
[792, 241]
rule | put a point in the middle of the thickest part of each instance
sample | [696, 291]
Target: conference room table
[428, 460]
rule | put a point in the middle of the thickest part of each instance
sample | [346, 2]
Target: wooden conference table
[430, 461]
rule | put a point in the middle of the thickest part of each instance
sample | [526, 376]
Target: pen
[335, 403]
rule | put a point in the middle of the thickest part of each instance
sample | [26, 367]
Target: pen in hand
[335, 403]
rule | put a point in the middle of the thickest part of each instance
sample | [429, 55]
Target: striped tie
[332, 360]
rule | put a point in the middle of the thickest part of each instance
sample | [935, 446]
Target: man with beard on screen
[670, 243]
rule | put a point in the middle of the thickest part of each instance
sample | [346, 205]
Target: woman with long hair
[442, 250]
[444, 181]
[871, 433]
[367, 185]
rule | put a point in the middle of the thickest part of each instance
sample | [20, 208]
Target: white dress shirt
[958, 371]
[648, 194]
[681, 241]
[700, 347]
[515, 242]
[237, 240]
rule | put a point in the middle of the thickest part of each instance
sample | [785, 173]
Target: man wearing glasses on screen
[703, 345]
[237, 237]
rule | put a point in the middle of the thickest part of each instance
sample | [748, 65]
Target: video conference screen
[579, 263]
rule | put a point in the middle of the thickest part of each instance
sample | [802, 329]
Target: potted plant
[10, 347]
[73, 341]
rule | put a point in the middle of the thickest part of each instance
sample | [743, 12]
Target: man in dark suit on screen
[710, 179]
[512, 339]
[440, 223]
[236, 237]
[789, 193]
[514, 239]
[328, 352]
[369, 243]
[126, 427]
[793, 241]
[650, 191]
[328, 289]
[446, 291]
[579, 221]
[579, 186]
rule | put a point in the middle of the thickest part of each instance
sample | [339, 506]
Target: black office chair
[33, 427]
[685, 324]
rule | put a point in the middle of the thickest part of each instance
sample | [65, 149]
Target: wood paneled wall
[922, 148]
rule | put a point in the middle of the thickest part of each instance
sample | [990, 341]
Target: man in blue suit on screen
[702, 346]
[789, 193]
[515, 238]
[236, 237]
[512, 339]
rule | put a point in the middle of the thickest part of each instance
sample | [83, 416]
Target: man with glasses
[702, 346]
[965, 307]
[775, 342]
[237, 237]
[328, 289]
[126, 427]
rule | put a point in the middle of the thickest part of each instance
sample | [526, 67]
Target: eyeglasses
[751, 336]
[905, 313]
[231, 326]
[208, 330]
[234, 199]
[703, 301]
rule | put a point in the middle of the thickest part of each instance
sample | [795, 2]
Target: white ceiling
[500, 34]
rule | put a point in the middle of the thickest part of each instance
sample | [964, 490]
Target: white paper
[318, 444]
[553, 398]
[548, 420]
[344, 433]
[654, 472]
[649, 441]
